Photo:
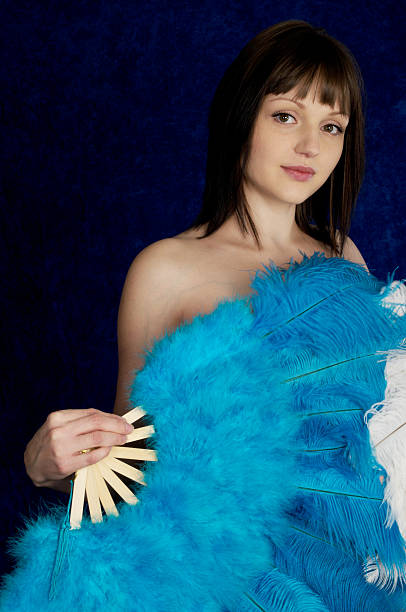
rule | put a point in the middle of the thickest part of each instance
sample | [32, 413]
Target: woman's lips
[299, 173]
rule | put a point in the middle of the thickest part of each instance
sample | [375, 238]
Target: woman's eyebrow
[289, 99]
[300, 105]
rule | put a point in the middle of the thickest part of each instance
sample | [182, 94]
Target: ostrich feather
[264, 467]
[279, 592]
[387, 426]
[342, 588]
[386, 422]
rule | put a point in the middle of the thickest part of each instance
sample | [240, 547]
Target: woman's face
[294, 148]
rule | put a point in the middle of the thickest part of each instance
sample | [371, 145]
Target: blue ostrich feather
[279, 592]
[335, 576]
[266, 492]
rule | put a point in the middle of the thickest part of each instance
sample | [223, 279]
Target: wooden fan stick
[141, 433]
[91, 481]
[104, 493]
[139, 454]
[125, 469]
[118, 484]
[78, 498]
[134, 414]
[92, 496]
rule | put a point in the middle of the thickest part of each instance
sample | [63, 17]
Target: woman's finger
[58, 418]
[96, 439]
[94, 421]
[79, 461]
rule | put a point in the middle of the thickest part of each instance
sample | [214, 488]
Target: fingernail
[129, 427]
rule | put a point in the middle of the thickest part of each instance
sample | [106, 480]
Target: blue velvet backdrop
[103, 116]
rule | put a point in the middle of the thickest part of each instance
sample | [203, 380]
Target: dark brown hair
[286, 55]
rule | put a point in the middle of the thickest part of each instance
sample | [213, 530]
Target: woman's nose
[308, 143]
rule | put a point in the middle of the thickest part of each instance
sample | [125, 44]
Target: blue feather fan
[266, 493]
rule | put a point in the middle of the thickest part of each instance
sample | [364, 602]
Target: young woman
[252, 475]
[284, 168]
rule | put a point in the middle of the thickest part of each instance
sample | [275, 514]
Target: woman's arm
[149, 305]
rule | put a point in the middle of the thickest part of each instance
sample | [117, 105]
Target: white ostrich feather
[395, 298]
[386, 422]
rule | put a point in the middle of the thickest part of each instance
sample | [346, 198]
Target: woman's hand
[54, 452]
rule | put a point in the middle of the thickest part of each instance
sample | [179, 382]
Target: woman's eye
[333, 129]
[283, 117]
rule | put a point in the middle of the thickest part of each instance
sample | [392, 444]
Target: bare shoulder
[149, 308]
[352, 253]
[156, 281]
[161, 266]
[165, 252]
[150, 304]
